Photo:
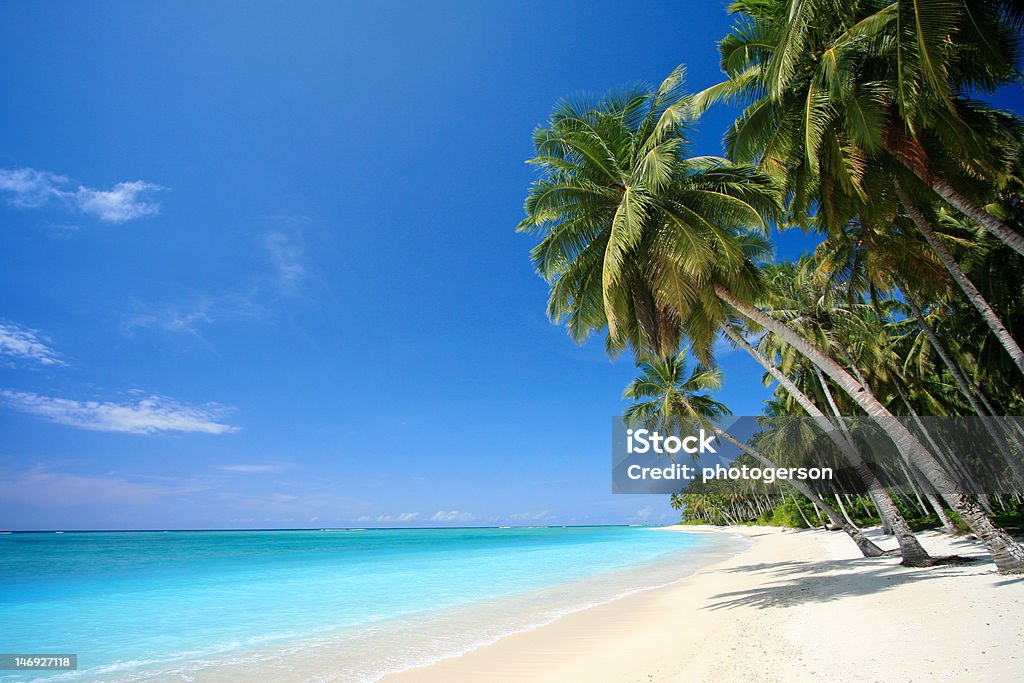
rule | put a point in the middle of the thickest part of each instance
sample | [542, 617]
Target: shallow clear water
[355, 604]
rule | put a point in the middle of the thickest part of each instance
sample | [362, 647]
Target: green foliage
[852, 112]
[787, 515]
[1012, 522]
[630, 229]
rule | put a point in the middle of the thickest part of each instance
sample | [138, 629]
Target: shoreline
[797, 605]
[418, 639]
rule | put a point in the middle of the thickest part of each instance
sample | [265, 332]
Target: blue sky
[259, 269]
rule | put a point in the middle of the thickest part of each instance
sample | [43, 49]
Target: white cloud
[26, 344]
[255, 468]
[403, 517]
[124, 202]
[452, 516]
[528, 516]
[148, 416]
[286, 256]
[29, 188]
[645, 512]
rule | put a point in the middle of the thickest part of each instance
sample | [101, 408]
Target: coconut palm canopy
[859, 120]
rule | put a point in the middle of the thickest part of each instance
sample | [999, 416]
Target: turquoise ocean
[345, 605]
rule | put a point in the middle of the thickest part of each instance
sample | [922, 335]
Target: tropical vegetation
[860, 121]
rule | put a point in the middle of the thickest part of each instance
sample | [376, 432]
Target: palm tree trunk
[785, 382]
[914, 489]
[830, 399]
[867, 548]
[934, 502]
[973, 295]
[954, 369]
[1012, 425]
[799, 509]
[995, 430]
[842, 508]
[887, 524]
[940, 511]
[817, 514]
[950, 462]
[892, 520]
[1007, 554]
[990, 223]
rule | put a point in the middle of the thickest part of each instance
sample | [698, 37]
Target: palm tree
[798, 300]
[634, 240]
[834, 119]
[873, 78]
[972, 292]
[878, 262]
[1007, 554]
[664, 398]
[630, 227]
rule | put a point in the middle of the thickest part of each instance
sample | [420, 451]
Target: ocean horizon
[350, 604]
[333, 528]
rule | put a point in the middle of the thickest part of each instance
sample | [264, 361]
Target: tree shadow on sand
[804, 582]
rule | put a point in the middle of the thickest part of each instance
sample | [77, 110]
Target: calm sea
[311, 605]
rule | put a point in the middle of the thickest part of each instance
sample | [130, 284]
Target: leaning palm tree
[645, 243]
[798, 300]
[630, 226]
[1007, 554]
[842, 122]
[666, 399]
[863, 261]
[863, 82]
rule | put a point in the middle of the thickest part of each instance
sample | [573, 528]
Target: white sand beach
[796, 606]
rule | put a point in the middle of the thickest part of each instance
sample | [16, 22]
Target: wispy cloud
[170, 318]
[286, 254]
[528, 516]
[26, 344]
[403, 517]
[257, 302]
[28, 188]
[123, 202]
[256, 468]
[452, 516]
[647, 515]
[189, 317]
[147, 416]
[43, 488]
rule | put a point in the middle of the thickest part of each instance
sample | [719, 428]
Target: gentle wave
[437, 594]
